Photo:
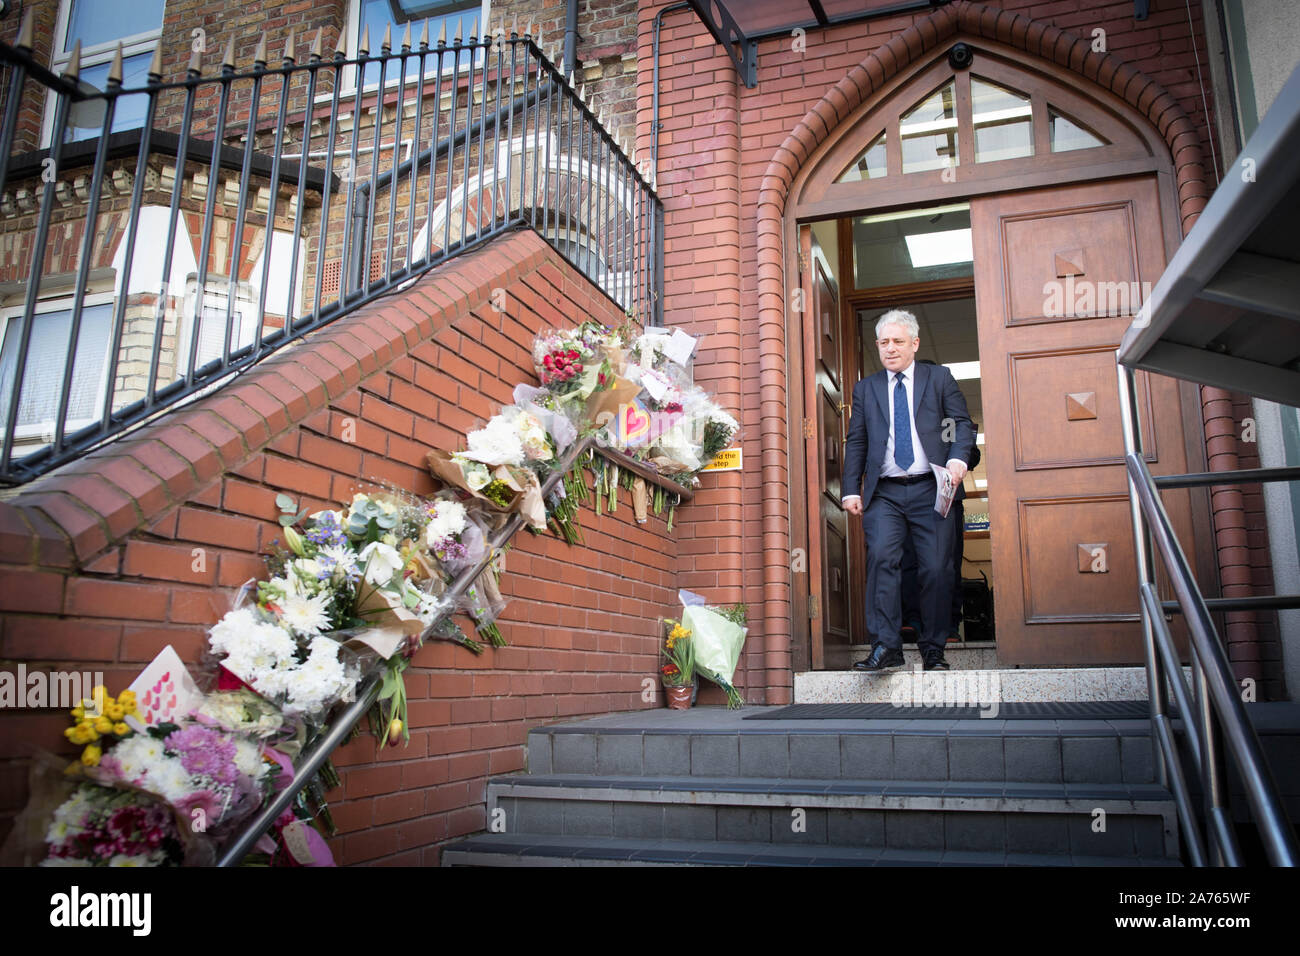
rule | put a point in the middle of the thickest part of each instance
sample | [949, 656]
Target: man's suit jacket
[935, 397]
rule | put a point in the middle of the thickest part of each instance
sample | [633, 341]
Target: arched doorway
[1067, 198]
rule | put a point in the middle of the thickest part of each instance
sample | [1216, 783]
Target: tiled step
[1088, 819]
[492, 849]
[709, 787]
[722, 744]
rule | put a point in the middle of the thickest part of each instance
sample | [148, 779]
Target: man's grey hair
[899, 317]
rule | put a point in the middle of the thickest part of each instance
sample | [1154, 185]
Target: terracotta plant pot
[679, 697]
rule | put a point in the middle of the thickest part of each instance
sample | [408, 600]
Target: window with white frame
[212, 324]
[100, 26]
[47, 350]
[457, 15]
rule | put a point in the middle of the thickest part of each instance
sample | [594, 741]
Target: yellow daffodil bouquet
[678, 652]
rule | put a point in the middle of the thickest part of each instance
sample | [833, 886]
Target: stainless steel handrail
[1215, 720]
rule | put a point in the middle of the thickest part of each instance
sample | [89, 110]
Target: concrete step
[501, 849]
[714, 742]
[975, 678]
[1096, 820]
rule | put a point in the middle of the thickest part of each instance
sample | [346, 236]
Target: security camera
[960, 56]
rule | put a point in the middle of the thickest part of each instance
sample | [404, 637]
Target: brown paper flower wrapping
[527, 493]
[611, 400]
[667, 466]
[381, 608]
[640, 499]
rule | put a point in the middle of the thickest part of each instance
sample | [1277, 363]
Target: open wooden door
[1058, 277]
[825, 429]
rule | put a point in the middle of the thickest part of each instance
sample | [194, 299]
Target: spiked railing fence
[306, 194]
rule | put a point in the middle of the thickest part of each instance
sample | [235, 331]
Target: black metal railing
[1210, 713]
[294, 189]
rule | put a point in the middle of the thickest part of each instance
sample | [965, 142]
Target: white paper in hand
[946, 492]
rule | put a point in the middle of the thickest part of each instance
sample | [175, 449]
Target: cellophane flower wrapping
[574, 363]
[717, 643]
[106, 826]
[555, 415]
[211, 776]
[69, 821]
[483, 600]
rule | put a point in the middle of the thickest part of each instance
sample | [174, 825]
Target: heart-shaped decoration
[157, 688]
[636, 424]
[171, 703]
[169, 688]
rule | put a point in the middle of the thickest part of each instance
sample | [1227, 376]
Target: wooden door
[825, 431]
[1065, 579]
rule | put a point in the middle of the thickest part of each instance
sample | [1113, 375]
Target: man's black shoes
[882, 658]
[932, 659]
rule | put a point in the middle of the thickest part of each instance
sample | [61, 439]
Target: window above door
[969, 115]
[939, 133]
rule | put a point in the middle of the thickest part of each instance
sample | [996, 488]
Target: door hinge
[809, 430]
[814, 607]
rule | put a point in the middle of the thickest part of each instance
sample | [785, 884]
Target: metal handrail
[338, 730]
[1214, 718]
[544, 160]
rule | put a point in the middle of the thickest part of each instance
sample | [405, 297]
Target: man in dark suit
[912, 588]
[904, 418]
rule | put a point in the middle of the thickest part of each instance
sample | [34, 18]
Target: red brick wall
[711, 255]
[1245, 565]
[100, 562]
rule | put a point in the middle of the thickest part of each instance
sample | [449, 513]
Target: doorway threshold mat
[1008, 710]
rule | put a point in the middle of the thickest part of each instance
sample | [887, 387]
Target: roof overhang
[1226, 310]
[738, 25]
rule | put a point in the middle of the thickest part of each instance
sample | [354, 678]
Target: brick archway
[819, 124]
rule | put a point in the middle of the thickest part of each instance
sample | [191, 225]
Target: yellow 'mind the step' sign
[729, 459]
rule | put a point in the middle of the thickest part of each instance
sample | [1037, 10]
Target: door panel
[1058, 277]
[828, 577]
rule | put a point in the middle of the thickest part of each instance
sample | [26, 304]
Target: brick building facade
[95, 557]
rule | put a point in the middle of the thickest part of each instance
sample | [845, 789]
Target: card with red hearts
[164, 691]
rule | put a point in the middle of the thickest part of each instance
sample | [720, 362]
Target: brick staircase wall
[145, 542]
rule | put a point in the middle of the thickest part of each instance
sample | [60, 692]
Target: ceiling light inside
[939, 248]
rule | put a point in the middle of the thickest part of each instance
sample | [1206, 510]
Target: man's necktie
[902, 426]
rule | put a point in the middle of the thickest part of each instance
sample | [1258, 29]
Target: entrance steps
[708, 787]
[976, 676]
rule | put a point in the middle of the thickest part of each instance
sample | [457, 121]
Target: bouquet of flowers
[695, 438]
[566, 364]
[719, 634]
[491, 468]
[551, 411]
[678, 652]
[100, 826]
[208, 775]
[576, 363]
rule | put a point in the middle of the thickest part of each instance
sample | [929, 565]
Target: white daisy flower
[306, 616]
